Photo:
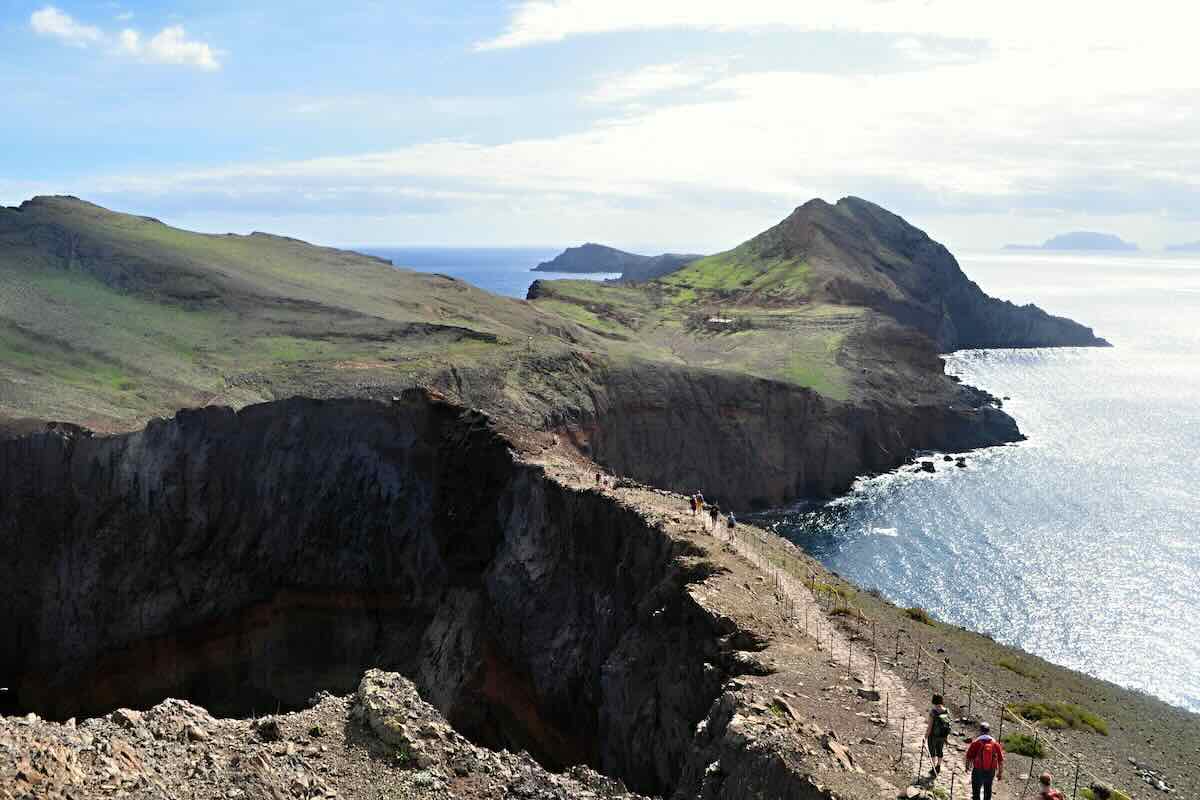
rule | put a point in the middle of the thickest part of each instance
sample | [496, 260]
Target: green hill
[108, 318]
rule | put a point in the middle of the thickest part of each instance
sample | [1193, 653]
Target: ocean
[503, 270]
[1082, 544]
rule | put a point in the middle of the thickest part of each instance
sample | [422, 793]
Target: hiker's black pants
[981, 779]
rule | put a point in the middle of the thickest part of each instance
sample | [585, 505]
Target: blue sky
[676, 124]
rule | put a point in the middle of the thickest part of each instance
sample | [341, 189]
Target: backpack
[1053, 794]
[989, 754]
[941, 724]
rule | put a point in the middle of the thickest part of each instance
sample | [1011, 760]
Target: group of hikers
[984, 758]
[711, 512]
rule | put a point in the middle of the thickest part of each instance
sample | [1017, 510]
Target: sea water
[503, 270]
[1082, 544]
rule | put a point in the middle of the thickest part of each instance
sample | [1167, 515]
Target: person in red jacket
[985, 760]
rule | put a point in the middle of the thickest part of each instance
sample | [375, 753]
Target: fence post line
[897, 657]
[887, 709]
[902, 721]
[945, 661]
[920, 760]
[918, 673]
[849, 657]
[953, 775]
[1000, 735]
[1075, 790]
[875, 649]
[970, 694]
[874, 669]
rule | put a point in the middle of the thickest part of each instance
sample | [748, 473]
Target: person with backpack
[692, 501]
[714, 512]
[1047, 793]
[937, 732]
[731, 524]
[985, 760]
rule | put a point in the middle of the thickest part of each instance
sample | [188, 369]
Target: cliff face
[757, 444]
[246, 560]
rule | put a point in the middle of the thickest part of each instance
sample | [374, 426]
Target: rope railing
[841, 604]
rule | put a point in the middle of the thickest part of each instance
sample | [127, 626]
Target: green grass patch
[1023, 744]
[1018, 666]
[1086, 793]
[1061, 716]
[918, 614]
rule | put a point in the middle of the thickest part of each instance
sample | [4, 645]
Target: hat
[983, 726]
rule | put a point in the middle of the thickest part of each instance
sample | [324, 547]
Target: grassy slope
[108, 319]
[776, 331]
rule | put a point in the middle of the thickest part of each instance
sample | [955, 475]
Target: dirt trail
[906, 713]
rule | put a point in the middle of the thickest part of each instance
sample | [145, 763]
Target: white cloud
[171, 45]
[49, 21]
[1067, 22]
[647, 81]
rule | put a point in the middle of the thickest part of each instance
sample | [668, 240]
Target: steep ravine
[245, 561]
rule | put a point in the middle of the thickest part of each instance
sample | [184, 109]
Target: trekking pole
[920, 761]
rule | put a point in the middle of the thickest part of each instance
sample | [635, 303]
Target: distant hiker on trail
[730, 523]
[715, 513]
[937, 732]
[985, 760]
[694, 503]
[1047, 793]
[700, 509]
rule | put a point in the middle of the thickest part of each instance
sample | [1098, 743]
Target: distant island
[1080, 240]
[593, 257]
[1186, 247]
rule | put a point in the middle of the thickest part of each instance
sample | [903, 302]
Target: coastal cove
[1080, 544]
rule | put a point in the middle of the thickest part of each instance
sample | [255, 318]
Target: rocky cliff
[245, 560]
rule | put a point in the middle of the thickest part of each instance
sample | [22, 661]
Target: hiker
[1048, 793]
[985, 760]
[730, 523]
[937, 732]
[692, 501]
[700, 509]
[599, 481]
[715, 513]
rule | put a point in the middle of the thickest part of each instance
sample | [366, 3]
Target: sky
[684, 125]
